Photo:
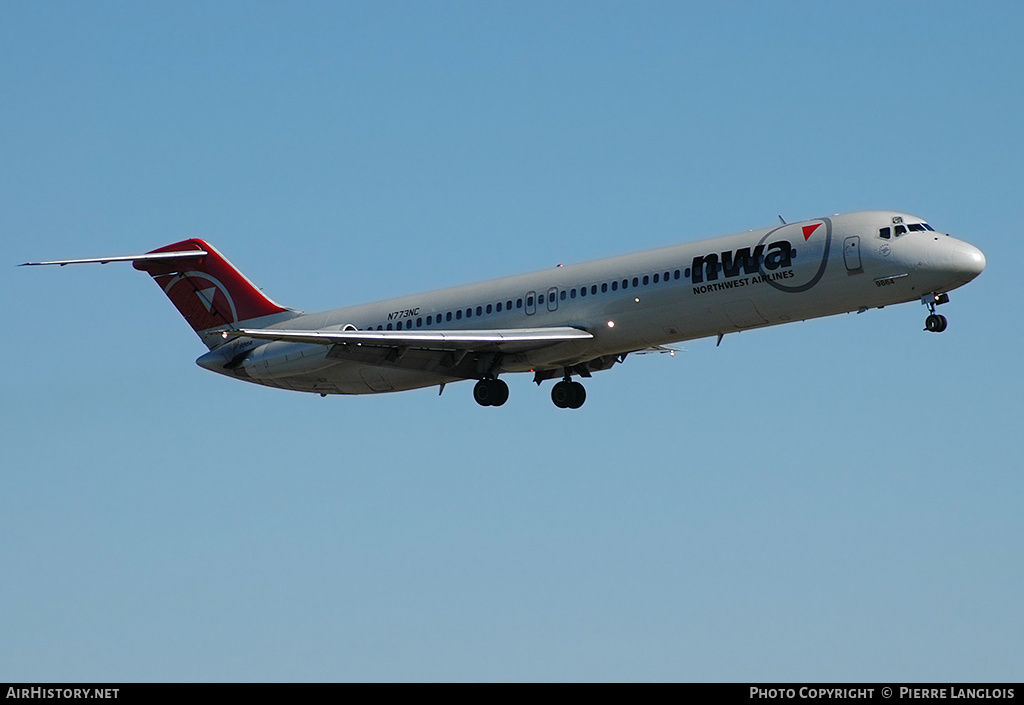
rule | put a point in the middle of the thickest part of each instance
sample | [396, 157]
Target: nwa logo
[202, 299]
[773, 261]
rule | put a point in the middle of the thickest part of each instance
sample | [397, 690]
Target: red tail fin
[207, 290]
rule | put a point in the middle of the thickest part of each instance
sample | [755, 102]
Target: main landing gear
[936, 322]
[490, 392]
[568, 394]
[565, 394]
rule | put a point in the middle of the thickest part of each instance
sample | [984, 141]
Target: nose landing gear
[935, 323]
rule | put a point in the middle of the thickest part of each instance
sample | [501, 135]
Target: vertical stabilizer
[208, 291]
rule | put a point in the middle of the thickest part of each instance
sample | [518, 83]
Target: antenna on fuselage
[782, 221]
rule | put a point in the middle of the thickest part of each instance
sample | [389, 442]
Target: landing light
[611, 324]
[637, 299]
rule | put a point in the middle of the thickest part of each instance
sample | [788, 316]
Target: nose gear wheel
[935, 323]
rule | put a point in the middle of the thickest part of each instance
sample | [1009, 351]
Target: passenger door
[851, 254]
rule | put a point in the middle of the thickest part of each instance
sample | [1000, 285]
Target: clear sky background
[839, 499]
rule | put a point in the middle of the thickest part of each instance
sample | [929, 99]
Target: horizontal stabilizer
[153, 256]
[505, 339]
[208, 291]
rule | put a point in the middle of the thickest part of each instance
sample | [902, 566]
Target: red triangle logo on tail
[809, 229]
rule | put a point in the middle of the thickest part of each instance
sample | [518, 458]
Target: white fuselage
[766, 277]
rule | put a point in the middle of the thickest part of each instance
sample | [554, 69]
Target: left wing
[498, 340]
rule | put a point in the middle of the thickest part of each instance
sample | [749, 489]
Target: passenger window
[389, 326]
[615, 286]
[419, 322]
[572, 293]
[636, 282]
[677, 274]
[519, 303]
[448, 316]
[508, 304]
[583, 291]
[499, 307]
[625, 283]
[562, 295]
[604, 288]
[490, 308]
[430, 319]
[469, 313]
[398, 326]
[479, 311]
[666, 276]
[380, 327]
[540, 298]
[458, 315]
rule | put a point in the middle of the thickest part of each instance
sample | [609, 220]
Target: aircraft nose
[968, 261]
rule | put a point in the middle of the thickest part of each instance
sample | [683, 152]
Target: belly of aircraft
[354, 378]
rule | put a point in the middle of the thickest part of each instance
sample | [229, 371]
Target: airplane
[562, 322]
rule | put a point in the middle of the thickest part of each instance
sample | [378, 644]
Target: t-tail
[208, 291]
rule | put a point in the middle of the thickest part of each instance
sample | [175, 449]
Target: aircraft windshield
[901, 229]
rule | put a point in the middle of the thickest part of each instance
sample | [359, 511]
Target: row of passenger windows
[898, 230]
[531, 300]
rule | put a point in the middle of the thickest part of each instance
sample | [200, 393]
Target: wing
[498, 340]
[456, 353]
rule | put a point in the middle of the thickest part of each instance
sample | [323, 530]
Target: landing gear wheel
[490, 392]
[482, 393]
[568, 395]
[500, 392]
[579, 395]
[561, 394]
[935, 323]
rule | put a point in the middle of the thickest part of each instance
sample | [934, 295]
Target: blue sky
[832, 500]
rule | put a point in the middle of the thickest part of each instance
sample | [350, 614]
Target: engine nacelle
[276, 360]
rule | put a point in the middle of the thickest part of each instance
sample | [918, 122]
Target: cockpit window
[899, 230]
[928, 227]
[884, 233]
[916, 227]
